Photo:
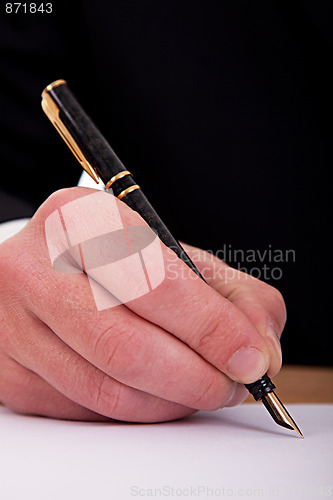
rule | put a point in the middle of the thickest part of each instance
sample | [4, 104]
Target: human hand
[157, 357]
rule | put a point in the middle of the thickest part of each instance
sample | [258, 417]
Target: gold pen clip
[52, 112]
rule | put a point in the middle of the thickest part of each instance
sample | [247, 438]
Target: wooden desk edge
[303, 384]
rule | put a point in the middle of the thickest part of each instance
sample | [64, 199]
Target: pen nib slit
[279, 413]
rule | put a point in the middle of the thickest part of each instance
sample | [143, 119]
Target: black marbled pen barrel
[97, 157]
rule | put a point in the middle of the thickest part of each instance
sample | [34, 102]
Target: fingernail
[274, 340]
[247, 365]
[239, 395]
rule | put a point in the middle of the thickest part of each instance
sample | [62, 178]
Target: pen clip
[52, 112]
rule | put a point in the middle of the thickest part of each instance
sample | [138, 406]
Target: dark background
[222, 110]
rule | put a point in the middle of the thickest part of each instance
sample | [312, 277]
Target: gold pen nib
[279, 413]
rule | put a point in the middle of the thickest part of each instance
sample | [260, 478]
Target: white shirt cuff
[88, 182]
[8, 229]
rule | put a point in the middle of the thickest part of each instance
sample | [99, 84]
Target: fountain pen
[99, 160]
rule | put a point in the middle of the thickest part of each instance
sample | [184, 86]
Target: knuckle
[209, 332]
[13, 387]
[279, 307]
[204, 395]
[100, 336]
[116, 347]
[106, 398]
[210, 395]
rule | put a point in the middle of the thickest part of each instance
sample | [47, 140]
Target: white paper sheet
[237, 452]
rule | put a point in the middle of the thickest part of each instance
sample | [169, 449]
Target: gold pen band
[116, 177]
[128, 190]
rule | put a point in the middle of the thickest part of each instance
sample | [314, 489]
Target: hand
[183, 346]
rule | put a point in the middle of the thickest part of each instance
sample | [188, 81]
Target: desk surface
[231, 452]
[235, 453]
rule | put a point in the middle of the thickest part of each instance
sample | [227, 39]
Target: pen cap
[79, 132]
